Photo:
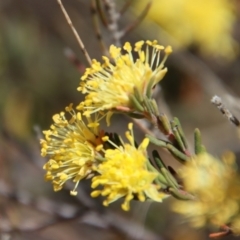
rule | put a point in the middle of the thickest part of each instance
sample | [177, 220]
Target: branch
[79, 40]
[138, 20]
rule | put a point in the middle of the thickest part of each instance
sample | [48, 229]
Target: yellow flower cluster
[216, 187]
[109, 85]
[124, 173]
[206, 23]
[76, 151]
[71, 146]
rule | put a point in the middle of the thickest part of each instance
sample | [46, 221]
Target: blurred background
[40, 68]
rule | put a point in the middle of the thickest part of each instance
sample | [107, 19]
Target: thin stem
[99, 37]
[138, 20]
[125, 7]
[79, 40]
[101, 13]
[217, 101]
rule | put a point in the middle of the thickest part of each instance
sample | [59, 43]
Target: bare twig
[94, 10]
[138, 20]
[226, 231]
[75, 33]
[217, 101]
[111, 21]
[101, 13]
[125, 7]
[142, 126]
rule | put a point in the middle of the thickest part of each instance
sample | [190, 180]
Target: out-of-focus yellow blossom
[71, 146]
[235, 225]
[109, 85]
[206, 23]
[216, 187]
[124, 173]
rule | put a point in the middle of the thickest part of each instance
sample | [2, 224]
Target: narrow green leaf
[158, 159]
[177, 154]
[160, 178]
[137, 105]
[148, 105]
[138, 95]
[164, 124]
[155, 106]
[199, 148]
[180, 130]
[170, 179]
[181, 195]
[177, 136]
[156, 141]
[150, 87]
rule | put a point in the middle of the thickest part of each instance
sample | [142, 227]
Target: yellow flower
[235, 225]
[71, 148]
[124, 173]
[216, 187]
[206, 23]
[109, 85]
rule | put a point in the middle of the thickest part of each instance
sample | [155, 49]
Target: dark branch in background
[217, 101]
[109, 16]
[101, 13]
[95, 11]
[125, 7]
[226, 230]
[71, 56]
[139, 19]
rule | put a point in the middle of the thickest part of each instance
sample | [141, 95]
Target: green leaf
[137, 105]
[199, 148]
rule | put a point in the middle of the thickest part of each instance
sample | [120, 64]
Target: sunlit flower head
[205, 23]
[124, 174]
[109, 85]
[71, 146]
[216, 187]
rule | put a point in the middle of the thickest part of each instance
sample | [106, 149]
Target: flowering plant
[206, 189]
